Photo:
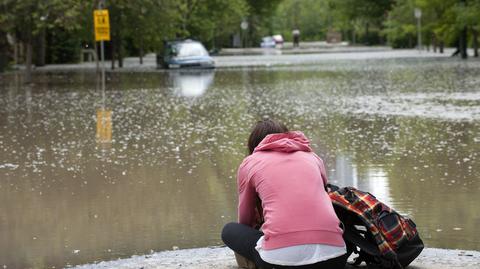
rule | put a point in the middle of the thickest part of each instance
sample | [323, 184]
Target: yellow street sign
[102, 25]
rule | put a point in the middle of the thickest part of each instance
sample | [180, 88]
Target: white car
[275, 41]
[268, 42]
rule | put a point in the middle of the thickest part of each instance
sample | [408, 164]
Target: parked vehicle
[267, 42]
[278, 40]
[275, 41]
[185, 54]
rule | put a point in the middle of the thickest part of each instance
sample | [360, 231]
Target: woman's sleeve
[246, 198]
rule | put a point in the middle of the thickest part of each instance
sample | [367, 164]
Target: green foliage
[361, 16]
[311, 16]
[260, 18]
[138, 27]
[400, 28]
[442, 20]
[210, 20]
[135, 25]
[28, 17]
[64, 46]
[314, 18]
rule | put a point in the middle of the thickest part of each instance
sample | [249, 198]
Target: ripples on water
[163, 174]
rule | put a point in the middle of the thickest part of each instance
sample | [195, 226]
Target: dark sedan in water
[185, 54]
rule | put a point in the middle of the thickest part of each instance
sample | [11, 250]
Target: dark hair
[261, 130]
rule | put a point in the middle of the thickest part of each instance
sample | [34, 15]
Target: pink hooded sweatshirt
[289, 179]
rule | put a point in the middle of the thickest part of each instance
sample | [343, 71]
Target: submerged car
[186, 54]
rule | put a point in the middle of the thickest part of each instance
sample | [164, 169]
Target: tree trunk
[3, 51]
[354, 37]
[441, 46]
[463, 43]
[112, 52]
[28, 62]
[41, 47]
[15, 52]
[475, 43]
[120, 54]
[366, 33]
[141, 51]
[434, 43]
[119, 51]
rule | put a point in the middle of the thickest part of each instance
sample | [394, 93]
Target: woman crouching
[281, 186]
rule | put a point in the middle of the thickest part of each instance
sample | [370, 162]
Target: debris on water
[381, 127]
[9, 166]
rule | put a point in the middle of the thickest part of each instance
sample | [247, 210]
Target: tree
[260, 18]
[311, 17]
[149, 24]
[446, 21]
[401, 26]
[349, 14]
[3, 36]
[28, 18]
[210, 20]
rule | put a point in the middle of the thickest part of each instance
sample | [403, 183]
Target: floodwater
[150, 164]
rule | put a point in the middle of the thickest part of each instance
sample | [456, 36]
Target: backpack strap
[361, 242]
[330, 187]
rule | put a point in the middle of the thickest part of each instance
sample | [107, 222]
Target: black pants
[243, 239]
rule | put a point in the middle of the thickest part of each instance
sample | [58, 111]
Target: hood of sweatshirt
[285, 142]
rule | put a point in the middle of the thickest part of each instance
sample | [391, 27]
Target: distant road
[270, 57]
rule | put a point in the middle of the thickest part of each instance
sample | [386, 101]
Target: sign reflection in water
[104, 125]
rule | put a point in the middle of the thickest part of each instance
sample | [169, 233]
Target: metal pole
[101, 4]
[419, 26]
[418, 15]
[103, 70]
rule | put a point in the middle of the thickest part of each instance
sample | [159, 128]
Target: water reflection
[371, 178]
[191, 83]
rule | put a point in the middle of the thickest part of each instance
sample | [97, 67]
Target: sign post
[101, 24]
[418, 15]
[102, 33]
[244, 26]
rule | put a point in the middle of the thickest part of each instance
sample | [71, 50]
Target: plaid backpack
[380, 236]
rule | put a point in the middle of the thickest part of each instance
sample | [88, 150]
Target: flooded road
[150, 164]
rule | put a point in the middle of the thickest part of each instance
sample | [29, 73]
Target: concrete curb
[222, 258]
